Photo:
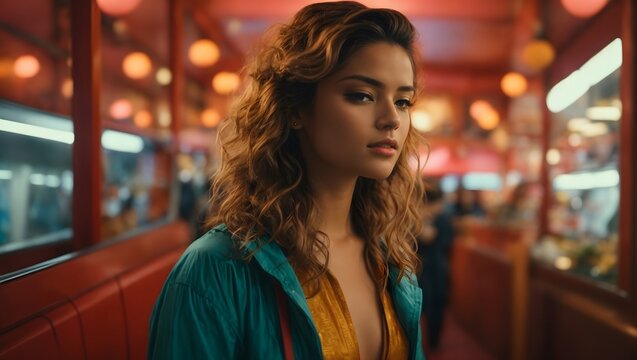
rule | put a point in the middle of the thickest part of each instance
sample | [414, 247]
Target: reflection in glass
[35, 52]
[135, 110]
[584, 170]
[36, 180]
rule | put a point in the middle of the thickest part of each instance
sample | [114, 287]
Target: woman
[315, 257]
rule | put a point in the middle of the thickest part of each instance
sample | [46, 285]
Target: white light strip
[123, 142]
[111, 140]
[37, 131]
[587, 180]
[36, 179]
[610, 113]
[571, 88]
[6, 174]
[481, 181]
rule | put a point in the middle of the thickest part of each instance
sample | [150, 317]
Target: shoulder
[211, 263]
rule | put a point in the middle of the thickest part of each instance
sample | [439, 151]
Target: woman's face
[359, 119]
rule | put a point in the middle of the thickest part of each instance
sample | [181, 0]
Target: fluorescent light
[37, 131]
[586, 180]
[577, 124]
[36, 179]
[604, 62]
[52, 181]
[594, 129]
[567, 91]
[6, 174]
[481, 181]
[611, 113]
[112, 140]
[571, 88]
[123, 142]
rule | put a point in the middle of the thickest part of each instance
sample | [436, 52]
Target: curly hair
[261, 187]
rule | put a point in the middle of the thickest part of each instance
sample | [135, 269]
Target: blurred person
[520, 210]
[312, 254]
[434, 247]
[467, 208]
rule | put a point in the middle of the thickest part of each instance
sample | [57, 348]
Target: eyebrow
[376, 83]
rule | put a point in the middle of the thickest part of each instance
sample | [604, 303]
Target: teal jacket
[216, 306]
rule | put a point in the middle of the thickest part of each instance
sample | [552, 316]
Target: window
[583, 169]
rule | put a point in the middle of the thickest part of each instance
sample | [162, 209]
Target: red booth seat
[95, 306]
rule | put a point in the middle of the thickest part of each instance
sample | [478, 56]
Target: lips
[385, 143]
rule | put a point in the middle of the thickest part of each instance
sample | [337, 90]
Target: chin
[378, 174]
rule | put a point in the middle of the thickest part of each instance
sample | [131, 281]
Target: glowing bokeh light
[67, 88]
[26, 66]
[136, 65]
[513, 84]
[203, 53]
[538, 54]
[163, 76]
[421, 120]
[583, 8]
[143, 119]
[118, 7]
[225, 83]
[120, 109]
[210, 118]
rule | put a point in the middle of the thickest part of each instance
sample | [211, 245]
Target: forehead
[388, 63]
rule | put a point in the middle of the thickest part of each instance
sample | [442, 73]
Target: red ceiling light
[120, 109]
[143, 119]
[210, 118]
[513, 84]
[203, 53]
[137, 65]
[583, 8]
[26, 66]
[486, 116]
[225, 82]
[118, 7]
[538, 54]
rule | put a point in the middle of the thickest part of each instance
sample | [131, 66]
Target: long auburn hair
[261, 188]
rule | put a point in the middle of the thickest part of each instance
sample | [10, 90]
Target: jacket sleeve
[196, 314]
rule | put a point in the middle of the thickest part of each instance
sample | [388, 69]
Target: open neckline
[334, 283]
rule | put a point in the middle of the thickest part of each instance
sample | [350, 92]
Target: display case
[587, 158]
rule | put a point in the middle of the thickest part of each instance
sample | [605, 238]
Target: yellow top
[336, 330]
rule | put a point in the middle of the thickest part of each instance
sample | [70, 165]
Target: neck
[333, 201]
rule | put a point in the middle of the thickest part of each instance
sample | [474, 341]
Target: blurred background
[108, 119]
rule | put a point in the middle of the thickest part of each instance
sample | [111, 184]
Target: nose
[388, 117]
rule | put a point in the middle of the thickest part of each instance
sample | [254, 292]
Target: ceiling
[465, 44]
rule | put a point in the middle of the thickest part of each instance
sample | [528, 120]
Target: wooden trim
[628, 154]
[570, 282]
[86, 153]
[176, 22]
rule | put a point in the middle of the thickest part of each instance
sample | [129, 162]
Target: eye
[403, 104]
[359, 97]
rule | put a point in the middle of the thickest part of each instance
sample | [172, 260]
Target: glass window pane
[36, 180]
[583, 162]
[35, 65]
[135, 110]
[36, 133]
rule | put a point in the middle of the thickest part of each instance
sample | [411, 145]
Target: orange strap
[283, 319]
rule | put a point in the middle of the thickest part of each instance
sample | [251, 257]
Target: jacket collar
[406, 295]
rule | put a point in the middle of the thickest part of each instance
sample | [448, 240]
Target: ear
[296, 121]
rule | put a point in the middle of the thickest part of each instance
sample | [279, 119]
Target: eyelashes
[362, 97]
